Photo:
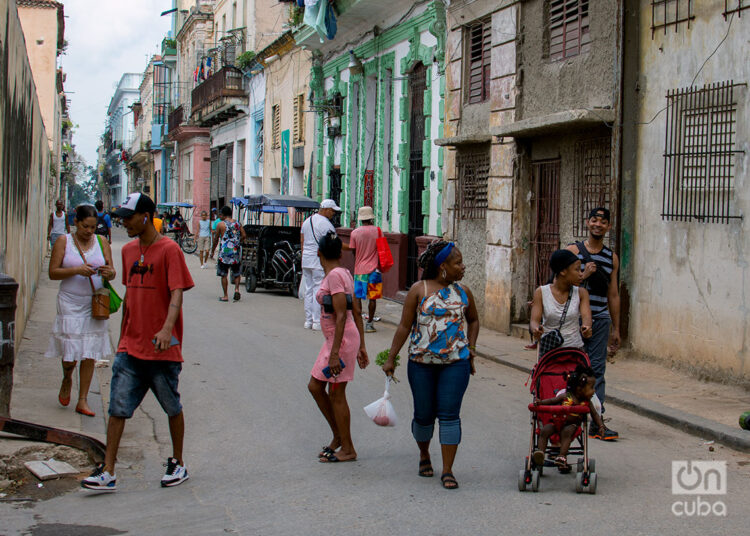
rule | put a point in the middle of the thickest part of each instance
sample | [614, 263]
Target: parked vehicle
[271, 253]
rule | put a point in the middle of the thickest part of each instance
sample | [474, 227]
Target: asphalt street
[253, 434]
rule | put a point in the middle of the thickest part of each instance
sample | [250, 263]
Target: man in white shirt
[313, 229]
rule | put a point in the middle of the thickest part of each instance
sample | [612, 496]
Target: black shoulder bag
[554, 339]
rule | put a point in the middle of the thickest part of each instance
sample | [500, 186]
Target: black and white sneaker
[176, 474]
[100, 480]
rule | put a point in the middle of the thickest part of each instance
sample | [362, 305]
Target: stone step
[520, 330]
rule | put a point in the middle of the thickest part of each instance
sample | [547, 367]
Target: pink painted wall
[201, 181]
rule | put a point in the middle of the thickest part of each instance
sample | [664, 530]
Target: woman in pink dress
[341, 323]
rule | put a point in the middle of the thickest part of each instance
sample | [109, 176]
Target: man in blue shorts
[149, 352]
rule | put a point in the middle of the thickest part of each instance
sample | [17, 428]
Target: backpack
[101, 226]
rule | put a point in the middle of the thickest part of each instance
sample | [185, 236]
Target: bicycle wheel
[188, 244]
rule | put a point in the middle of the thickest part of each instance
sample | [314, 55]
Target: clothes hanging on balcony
[320, 16]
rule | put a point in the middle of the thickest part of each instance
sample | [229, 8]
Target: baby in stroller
[578, 392]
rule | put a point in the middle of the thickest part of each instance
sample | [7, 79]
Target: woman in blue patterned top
[441, 321]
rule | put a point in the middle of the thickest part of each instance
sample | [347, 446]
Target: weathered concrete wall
[583, 81]
[25, 185]
[690, 281]
[490, 247]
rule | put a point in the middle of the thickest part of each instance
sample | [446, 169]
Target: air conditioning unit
[334, 131]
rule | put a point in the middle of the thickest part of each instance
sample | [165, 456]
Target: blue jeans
[596, 348]
[132, 378]
[438, 391]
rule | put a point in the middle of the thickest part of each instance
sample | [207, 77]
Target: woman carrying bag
[560, 311]
[80, 261]
[440, 319]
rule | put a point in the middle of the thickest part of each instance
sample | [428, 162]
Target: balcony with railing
[219, 98]
[176, 118]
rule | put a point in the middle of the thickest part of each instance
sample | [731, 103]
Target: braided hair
[427, 259]
[578, 378]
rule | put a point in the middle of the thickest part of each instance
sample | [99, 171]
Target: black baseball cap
[600, 212]
[136, 203]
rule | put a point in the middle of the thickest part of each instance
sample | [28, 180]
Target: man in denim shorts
[149, 353]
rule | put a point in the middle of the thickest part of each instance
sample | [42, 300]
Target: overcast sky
[106, 38]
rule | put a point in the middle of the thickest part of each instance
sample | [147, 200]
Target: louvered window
[299, 119]
[276, 126]
[567, 24]
[478, 39]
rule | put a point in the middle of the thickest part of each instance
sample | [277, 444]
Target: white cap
[365, 213]
[330, 203]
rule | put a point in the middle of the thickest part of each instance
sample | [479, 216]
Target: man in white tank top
[58, 223]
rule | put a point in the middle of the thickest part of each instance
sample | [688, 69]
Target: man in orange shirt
[155, 276]
[158, 224]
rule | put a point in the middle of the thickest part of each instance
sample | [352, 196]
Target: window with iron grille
[299, 119]
[473, 167]
[276, 126]
[566, 28]
[699, 154]
[477, 56]
[735, 6]
[666, 13]
[593, 184]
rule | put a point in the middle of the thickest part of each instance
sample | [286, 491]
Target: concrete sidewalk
[36, 379]
[707, 409]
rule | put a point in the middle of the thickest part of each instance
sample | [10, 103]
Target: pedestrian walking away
[313, 229]
[103, 222]
[58, 223]
[562, 305]
[368, 281]
[600, 277]
[230, 236]
[80, 260]
[440, 319]
[149, 352]
[341, 322]
[204, 238]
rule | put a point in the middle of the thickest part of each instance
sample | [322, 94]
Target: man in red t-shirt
[368, 281]
[148, 355]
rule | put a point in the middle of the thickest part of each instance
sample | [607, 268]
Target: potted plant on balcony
[245, 59]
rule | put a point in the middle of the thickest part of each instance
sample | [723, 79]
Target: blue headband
[440, 257]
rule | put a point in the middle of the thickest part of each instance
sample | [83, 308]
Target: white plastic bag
[302, 289]
[381, 411]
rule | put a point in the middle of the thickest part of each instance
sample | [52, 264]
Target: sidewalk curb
[683, 421]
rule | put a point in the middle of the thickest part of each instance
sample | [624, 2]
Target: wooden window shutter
[567, 28]
[299, 119]
[276, 126]
[478, 60]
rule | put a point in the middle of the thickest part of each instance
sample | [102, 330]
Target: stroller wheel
[522, 480]
[592, 465]
[534, 481]
[586, 487]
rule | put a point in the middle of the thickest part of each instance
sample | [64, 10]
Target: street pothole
[17, 484]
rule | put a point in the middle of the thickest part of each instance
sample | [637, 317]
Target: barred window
[735, 6]
[666, 13]
[594, 186]
[276, 126]
[699, 154]
[299, 119]
[477, 59]
[567, 28]
[473, 167]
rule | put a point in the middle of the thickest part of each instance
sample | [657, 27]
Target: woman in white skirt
[79, 259]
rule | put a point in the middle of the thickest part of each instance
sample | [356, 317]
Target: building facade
[378, 95]
[685, 193]
[120, 134]
[43, 23]
[533, 94]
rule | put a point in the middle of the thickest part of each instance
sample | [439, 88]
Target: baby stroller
[547, 378]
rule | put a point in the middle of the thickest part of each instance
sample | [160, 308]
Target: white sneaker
[203, 266]
[308, 325]
[100, 480]
[316, 326]
[176, 474]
